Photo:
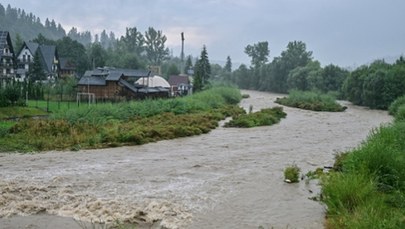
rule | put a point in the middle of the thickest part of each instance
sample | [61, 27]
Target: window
[23, 58]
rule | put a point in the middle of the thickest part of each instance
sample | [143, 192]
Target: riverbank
[228, 178]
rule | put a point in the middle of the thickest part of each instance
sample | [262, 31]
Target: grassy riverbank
[309, 100]
[368, 188]
[110, 125]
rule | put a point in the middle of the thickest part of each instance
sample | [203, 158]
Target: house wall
[6, 63]
[25, 57]
[111, 91]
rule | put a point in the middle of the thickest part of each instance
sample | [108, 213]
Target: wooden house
[116, 84]
[180, 85]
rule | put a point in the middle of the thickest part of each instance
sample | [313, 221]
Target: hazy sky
[342, 32]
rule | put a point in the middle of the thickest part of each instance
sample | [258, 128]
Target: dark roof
[128, 85]
[67, 64]
[48, 52]
[101, 75]
[32, 46]
[134, 72]
[177, 80]
[92, 80]
[5, 41]
[114, 75]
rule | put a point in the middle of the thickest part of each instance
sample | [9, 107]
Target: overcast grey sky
[342, 32]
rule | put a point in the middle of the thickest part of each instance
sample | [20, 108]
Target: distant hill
[27, 25]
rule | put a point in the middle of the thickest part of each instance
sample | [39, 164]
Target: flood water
[228, 178]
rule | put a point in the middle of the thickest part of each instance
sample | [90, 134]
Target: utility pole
[182, 53]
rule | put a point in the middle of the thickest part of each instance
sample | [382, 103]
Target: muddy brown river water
[228, 178]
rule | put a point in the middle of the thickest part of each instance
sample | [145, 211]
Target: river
[228, 178]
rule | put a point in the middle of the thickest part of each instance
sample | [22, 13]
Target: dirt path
[229, 178]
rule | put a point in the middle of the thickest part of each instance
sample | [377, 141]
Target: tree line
[375, 85]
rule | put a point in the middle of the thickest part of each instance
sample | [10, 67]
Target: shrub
[309, 100]
[292, 174]
[393, 108]
[400, 114]
[264, 117]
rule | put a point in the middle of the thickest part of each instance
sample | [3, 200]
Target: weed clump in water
[292, 174]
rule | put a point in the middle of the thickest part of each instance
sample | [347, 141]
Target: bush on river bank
[309, 100]
[124, 124]
[368, 191]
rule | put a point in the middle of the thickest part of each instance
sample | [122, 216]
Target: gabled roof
[177, 80]
[32, 46]
[48, 52]
[5, 41]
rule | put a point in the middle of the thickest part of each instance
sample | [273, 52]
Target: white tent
[153, 81]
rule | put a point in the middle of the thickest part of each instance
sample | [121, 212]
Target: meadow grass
[110, 125]
[309, 100]
[368, 190]
[20, 112]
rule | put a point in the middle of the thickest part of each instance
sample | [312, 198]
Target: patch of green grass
[111, 125]
[368, 189]
[19, 112]
[309, 100]
[53, 106]
[264, 117]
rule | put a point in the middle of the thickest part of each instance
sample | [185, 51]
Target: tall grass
[369, 192]
[203, 101]
[131, 123]
[310, 100]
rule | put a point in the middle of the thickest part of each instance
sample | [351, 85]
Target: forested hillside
[27, 25]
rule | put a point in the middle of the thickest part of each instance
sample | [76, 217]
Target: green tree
[228, 65]
[18, 42]
[156, 51]
[133, 41]
[173, 70]
[202, 71]
[189, 64]
[97, 55]
[241, 77]
[74, 51]
[42, 40]
[306, 77]
[296, 55]
[259, 53]
[36, 72]
[332, 78]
